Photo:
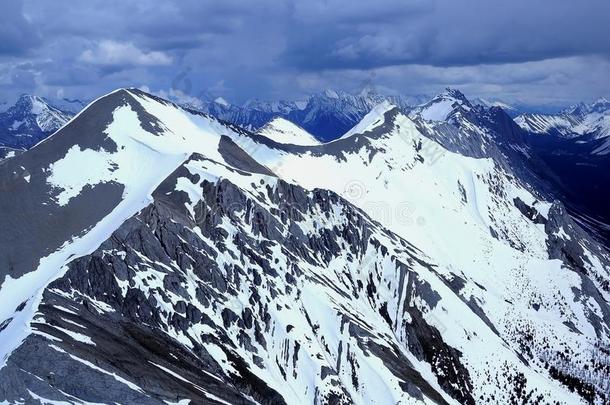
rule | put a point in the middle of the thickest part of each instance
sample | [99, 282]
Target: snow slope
[542, 124]
[283, 131]
[375, 116]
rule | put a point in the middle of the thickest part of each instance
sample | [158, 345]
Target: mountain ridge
[284, 285]
[591, 120]
[29, 121]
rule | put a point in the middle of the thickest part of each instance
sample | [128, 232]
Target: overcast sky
[537, 52]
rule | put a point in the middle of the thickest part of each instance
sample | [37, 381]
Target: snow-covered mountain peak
[115, 152]
[599, 106]
[26, 100]
[130, 126]
[371, 120]
[452, 93]
[454, 208]
[576, 109]
[283, 131]
[33, 104]
[28, 121]
[443, 106]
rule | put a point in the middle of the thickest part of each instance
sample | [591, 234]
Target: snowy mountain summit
[29, 121]
[443, 106]
[166, 256]
[283, 131]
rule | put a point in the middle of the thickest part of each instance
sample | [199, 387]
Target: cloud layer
[549, 52]
[113, 53]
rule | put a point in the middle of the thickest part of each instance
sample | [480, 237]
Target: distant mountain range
[578, 120]
[327, 115]
[29, 121]
[575, 144]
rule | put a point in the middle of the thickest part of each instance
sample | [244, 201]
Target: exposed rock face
[200, 294]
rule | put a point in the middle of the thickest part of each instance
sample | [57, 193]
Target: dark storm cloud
[17, 35]
[448, 33]
[286, 48]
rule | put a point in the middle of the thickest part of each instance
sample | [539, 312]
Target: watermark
[354, 190]
[405, 213]
[390, 214]
[432, 152]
